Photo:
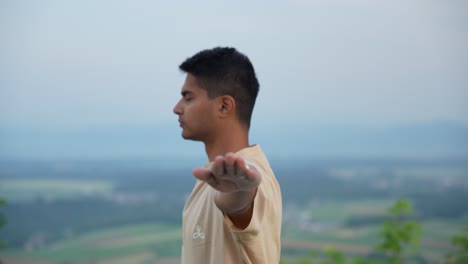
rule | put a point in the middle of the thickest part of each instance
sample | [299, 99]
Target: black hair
[225, 71]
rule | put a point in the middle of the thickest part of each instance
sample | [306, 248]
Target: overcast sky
[100, 63]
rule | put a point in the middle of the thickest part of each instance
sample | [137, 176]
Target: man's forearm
[235, 202]
[238, 206]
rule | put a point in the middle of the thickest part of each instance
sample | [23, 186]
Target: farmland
[132, 214]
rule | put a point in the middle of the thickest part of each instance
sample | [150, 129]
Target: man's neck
[227, 141]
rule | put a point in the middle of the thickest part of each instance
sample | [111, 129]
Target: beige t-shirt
[209, 236]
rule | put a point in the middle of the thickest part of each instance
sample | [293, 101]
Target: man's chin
[186, 136]
[189, 137]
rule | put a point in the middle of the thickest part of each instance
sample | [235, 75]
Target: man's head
[226, 72]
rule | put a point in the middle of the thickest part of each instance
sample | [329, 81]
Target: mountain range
[282, 140]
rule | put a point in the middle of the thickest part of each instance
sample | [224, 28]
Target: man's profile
[233, 214]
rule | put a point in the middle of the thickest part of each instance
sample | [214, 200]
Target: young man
[233, 214]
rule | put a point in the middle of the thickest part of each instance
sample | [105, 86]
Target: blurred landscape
[361, 103]
[129, 211]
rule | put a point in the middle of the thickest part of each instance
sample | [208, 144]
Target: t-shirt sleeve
[257, 216]
[264, 207]
[260, 241]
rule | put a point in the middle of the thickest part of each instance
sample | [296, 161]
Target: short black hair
[225, 71]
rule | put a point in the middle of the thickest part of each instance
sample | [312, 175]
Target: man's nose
[177, 109]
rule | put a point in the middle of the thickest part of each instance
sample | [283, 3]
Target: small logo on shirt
[198, 234]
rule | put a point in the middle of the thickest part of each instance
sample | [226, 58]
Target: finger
[205, 175]
[241, 168]
[229, 163]
[248, 170]
[218, 167]
[202, 174]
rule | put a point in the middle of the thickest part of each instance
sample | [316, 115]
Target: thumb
[202, 174]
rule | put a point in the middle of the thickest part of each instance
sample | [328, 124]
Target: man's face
[195, 110]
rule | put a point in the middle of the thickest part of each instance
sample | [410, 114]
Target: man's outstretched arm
[236, 184]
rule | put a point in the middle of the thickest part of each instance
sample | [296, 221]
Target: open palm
[229, 174]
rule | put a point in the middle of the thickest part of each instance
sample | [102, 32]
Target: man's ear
[227, 105]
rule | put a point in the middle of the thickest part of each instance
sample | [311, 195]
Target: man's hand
[236, 184]
[229, 174]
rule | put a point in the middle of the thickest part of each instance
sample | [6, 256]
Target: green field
[327, 229]
[27, 189]
[147, 243]
[311, 225]
[157, 243]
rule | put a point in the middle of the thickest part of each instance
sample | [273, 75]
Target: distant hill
[282, 140]
[426, 140]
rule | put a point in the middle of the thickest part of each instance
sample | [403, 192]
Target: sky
[77, 65]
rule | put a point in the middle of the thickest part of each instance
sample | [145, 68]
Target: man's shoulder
[253, 154]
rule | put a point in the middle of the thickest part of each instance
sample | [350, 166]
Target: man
[233, 214]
